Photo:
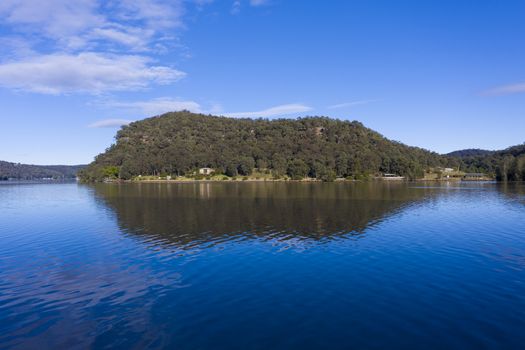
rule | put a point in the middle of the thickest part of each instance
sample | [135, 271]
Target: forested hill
[31, 172]
[180, 142]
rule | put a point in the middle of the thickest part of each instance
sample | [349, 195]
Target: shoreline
[290, 180]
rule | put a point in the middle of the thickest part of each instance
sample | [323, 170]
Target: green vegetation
[180, 143]
[505, 165]
[31, 172]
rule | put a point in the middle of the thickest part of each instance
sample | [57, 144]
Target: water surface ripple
[262, 265]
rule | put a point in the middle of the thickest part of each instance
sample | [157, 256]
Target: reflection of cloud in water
[195, 214]
[86, 293]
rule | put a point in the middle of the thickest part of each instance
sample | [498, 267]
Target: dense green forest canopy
[30, 172]
[178, 143]
[506, 165]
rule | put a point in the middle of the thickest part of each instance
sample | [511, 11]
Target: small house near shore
[206, 171]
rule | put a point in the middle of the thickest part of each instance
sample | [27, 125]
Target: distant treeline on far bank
[180, 144]
[17, 171]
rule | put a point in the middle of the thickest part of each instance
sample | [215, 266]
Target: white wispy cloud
[350, 104]
[281, 110]
[87, 46]
[506, 89]
[156, 106]
[236, 7]
[86, 72]
[110, 123]
[72, 24]
[90, 46]
[237, 4]
[136, 39]
[56, 19]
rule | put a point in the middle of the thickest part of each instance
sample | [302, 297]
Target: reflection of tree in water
[199, 212]
[513, 190]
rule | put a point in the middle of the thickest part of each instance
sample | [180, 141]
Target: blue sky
[443, 75]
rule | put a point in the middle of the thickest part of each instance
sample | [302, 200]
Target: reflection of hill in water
[200, 212]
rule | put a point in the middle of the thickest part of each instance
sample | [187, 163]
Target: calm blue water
[258, 266]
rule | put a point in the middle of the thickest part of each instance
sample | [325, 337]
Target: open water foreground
[262, 266]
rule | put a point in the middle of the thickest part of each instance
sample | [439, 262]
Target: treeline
[505, 165]
[470, 152]
[19, 171]
[179, 143]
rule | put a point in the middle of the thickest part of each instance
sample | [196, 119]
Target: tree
[341, 164]
[261, 163]
[279, 165]
[326, 175]
[231, 170]
[297, 169]
[111, 172]
[246, 165]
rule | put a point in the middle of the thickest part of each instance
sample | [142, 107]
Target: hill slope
[178, 143]
[29, 172]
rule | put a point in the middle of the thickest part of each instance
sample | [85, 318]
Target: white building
[206, 171]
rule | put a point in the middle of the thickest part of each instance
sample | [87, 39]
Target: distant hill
[178, 143]
[31, 172]
[506, 165]
[471, 152]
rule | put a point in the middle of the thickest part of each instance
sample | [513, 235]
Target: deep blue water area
[262, 266]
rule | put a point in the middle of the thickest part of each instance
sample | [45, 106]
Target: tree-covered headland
[179, 143]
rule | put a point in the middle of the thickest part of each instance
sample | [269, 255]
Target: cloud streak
[350, 104]
[272, 111]
[506, 90]
[157, 106]
[110, 123]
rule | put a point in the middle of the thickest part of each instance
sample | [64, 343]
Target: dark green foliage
[246, 165]
[297, 169]
[326, 175]
[261, 164]
[506, 165]
[278, 164]
[231, 170]
[111, 172]
[179, 143]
